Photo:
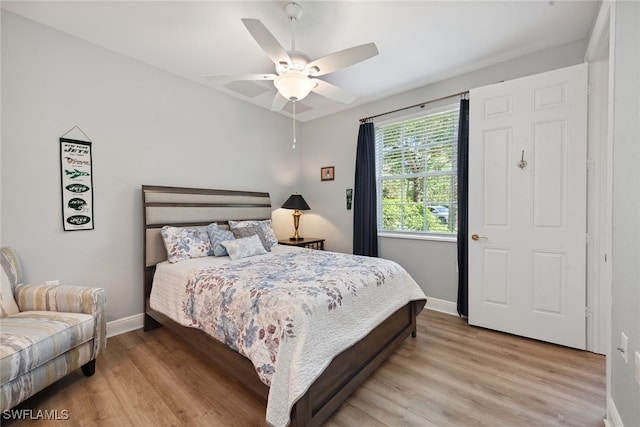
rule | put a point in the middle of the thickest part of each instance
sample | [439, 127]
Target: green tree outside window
[416, 163]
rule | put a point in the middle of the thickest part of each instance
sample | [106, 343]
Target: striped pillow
[9, 276]
[217, 236]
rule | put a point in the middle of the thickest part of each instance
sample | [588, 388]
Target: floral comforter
[291, 311]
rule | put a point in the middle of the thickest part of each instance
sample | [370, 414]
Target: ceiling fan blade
[332, 92]
[342, 59]
[279, 102]
[243, 77]
[267, 42]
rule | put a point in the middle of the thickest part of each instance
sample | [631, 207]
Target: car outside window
[416, 172]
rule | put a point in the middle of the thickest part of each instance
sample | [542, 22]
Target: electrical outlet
[638, 367]
[52, 282]
[624, 347]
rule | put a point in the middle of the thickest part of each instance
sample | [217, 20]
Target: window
[416, 173]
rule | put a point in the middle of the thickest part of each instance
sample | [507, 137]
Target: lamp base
[296, 222]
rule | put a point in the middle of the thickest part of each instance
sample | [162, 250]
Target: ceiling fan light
[294, 86]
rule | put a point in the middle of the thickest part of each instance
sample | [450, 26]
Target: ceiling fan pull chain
[294, 125]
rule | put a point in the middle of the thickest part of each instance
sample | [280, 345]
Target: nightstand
[307, 242]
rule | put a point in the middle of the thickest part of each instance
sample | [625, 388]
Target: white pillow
[265, 225]
[240, 232]
[244, 247]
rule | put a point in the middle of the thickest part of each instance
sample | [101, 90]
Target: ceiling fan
[295, 73]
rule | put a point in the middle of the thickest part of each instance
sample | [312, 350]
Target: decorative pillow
[251, 231]
[244, 247]
[217, 236]
[265, 225]
[185, 243]
[9, 277]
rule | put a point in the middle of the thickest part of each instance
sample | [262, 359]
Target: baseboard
[442, 306]
[613, 417]
[126, 324]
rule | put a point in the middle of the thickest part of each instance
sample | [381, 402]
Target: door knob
[476, 237]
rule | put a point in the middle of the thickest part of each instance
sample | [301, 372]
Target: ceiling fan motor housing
[298, 62]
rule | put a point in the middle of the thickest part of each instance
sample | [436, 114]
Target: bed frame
[191, 207]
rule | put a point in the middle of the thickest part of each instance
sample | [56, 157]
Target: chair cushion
[9, 277]
[32, 338]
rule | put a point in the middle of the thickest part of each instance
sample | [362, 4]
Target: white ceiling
[420, 42]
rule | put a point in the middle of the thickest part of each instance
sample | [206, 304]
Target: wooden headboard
[187, 207]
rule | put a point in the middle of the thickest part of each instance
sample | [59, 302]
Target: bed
[303, 386]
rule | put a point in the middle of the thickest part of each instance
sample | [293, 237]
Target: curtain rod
[422, 104]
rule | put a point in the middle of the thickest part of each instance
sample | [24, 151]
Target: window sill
[433, 237]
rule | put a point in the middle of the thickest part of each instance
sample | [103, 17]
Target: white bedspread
[290, 311]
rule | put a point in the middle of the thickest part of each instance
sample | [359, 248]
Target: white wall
[625, 290]
[332, 141]
[147, 127]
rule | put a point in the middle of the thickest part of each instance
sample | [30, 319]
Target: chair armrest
[68, 299]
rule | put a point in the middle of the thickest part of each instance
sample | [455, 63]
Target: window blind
[416, 173]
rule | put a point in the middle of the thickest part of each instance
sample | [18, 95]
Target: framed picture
[327, 173]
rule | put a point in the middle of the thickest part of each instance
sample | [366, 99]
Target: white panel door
[527, 206]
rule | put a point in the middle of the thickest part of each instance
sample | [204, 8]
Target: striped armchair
[45, 332]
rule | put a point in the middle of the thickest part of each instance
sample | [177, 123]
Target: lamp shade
[296, 201]
[294, 85]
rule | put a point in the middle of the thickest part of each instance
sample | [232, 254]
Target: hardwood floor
[452, 374]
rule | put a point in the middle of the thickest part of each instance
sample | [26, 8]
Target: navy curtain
[463, 204]
[365, 224]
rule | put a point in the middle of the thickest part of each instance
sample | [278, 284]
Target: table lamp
[297, 203]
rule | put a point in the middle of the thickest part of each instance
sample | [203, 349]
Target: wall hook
[522, 163]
